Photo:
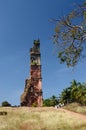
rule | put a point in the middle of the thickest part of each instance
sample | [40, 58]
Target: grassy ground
[76, 108]
[24, 118]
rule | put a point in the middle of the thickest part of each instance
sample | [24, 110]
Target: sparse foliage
[70, 36]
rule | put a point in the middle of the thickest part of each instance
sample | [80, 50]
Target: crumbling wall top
[36, 47]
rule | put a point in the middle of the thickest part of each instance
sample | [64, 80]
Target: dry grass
[76, 108]
[24, 118]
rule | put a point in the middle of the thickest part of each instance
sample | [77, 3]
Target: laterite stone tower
[32, 95]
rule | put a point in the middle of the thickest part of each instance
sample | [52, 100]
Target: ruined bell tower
[32, 95]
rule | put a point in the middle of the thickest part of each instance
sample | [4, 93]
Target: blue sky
[21, 22]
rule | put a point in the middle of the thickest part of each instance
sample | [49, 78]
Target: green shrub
[34, 104]
[5, 104]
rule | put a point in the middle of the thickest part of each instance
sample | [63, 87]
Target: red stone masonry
[32, 95]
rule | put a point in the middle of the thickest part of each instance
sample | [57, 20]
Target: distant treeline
[76, 92]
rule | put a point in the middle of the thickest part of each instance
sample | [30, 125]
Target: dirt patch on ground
[80, 116]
